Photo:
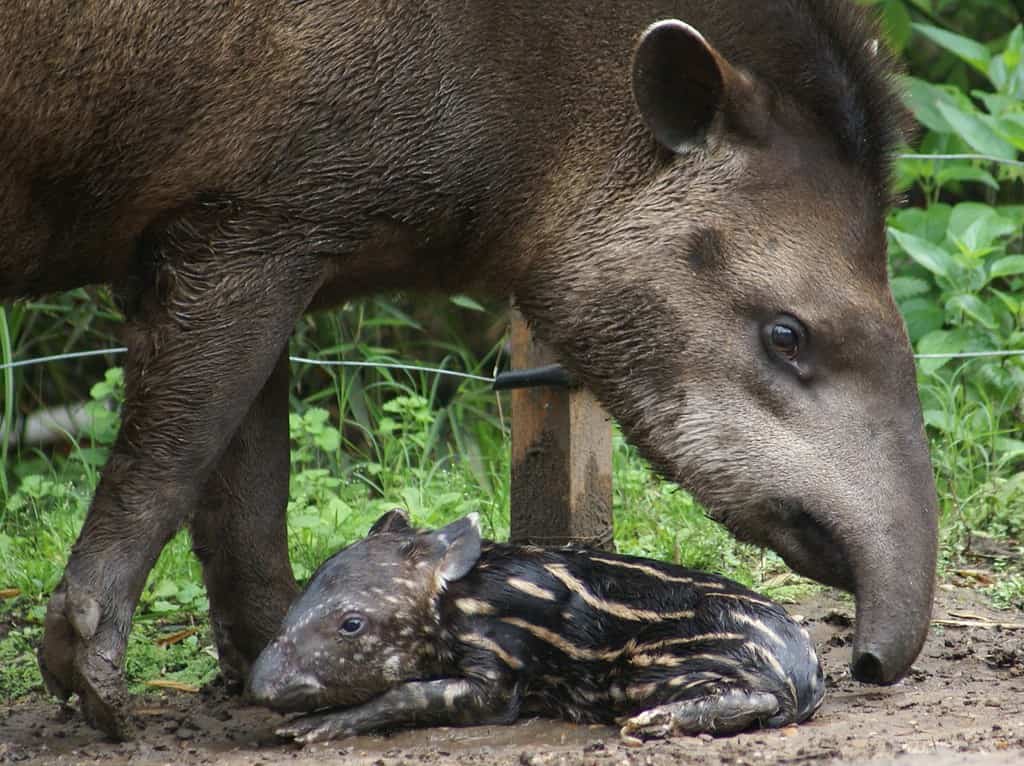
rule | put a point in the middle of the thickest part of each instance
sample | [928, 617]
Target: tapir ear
[396, 520]
[455, 548]
[679, 83]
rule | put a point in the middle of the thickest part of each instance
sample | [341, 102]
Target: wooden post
[561, 457]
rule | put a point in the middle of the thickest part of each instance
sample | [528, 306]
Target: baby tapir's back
[594, 636]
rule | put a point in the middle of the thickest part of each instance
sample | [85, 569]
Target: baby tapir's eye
[352, 624]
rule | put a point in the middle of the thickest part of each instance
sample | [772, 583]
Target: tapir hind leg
[726, 712]
[208, 331]
[239, 532]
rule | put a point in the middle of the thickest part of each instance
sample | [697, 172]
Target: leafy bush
[957, 254]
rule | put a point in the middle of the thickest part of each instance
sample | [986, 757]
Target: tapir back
[598, 637]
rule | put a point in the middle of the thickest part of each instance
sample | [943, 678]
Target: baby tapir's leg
[727, 712]
[447, 701]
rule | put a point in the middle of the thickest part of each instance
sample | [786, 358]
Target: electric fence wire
[419, 368]
[981, 157]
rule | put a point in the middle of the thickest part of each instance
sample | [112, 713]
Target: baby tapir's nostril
[260, 690]
[265, 677]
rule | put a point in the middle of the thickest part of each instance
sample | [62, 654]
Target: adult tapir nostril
[869, 668]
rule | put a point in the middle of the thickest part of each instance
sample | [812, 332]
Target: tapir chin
[686, 200]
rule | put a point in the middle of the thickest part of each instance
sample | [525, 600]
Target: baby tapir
[439, 628]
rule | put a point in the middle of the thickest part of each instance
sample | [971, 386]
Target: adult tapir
[686, 199]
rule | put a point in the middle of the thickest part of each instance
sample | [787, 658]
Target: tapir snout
[274, 683]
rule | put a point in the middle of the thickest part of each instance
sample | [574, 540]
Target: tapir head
[368, 618]
[733, 312]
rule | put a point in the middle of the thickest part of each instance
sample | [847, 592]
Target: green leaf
[315, 418]
[971, 51]
[932, 257]
[975, 308]
[896, 21]
[1011, 128]
[328, 440]
[940, 420]
[1009, 448]
[1013, 303]
[922, 98]
[94, 456]
[1009, 266]
[163, 607]
[190, 592]
[966, 173]
[997, 104]
[977, 226]
[939, 342]
[922, 316]
[908, 287]
[465, 302]
[976, 132]
[165, 589]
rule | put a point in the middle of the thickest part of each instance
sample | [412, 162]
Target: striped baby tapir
[419, 628]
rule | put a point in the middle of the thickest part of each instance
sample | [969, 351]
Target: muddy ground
[963, 703]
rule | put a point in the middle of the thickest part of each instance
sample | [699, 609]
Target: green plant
[956, 257]
[19, 674]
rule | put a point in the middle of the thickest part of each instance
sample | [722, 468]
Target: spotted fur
[520, 630]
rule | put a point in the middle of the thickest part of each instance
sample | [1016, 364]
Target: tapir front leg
[220, 302]
[443, 702]
[239, 532]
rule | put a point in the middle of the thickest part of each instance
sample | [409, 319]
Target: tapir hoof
[81, 654]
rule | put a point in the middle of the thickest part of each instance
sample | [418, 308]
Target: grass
[366, 441]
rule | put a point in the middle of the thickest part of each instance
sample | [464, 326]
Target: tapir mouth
[807, 545]
[811, 548]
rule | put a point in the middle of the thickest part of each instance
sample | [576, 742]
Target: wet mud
[963, 703]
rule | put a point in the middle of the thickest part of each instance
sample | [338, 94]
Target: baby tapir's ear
[396, 520]
[454, 549]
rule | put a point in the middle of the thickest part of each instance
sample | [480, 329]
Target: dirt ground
[963, 703]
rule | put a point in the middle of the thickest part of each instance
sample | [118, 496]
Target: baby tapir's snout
[442, 628]
[276, 681]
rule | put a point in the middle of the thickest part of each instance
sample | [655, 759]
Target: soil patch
[962, 703]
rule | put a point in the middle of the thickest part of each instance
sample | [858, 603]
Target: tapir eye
[785, 340]
[785, 337]
[352, 624]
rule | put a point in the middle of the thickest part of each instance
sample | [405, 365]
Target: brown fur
[228, 166]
